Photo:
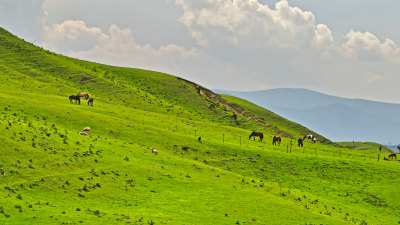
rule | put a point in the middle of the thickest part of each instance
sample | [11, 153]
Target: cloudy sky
[347, 48]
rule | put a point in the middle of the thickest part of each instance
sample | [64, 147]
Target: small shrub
[96, 213]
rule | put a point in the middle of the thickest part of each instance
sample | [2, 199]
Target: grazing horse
[276, 140]
[311, 137]
[393, 155]
[300, 142]
[258, 134]
[90, 101]
[74, 97]
[308, 136]
[83, 94]
[198, 88]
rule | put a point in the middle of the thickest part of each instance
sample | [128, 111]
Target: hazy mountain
[339, 119]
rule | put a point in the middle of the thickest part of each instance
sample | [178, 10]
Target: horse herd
[276, 140]
[77, 98]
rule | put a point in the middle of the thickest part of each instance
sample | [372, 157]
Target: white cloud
[116, 47]
[361, 45]
[72, 30]
[249, 22]
[255, 25]
[323, 41]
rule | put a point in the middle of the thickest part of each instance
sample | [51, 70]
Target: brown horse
[276, 140]
[198, 88]
[90, 102]
[83, 94]
[393, 155]
[258, 134]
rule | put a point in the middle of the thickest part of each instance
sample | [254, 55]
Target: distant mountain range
[339, 119]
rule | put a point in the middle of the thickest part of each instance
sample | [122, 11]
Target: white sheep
[83, 133]
[86, 129]
[154, 151]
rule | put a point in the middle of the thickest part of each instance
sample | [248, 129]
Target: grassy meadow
[52, 175]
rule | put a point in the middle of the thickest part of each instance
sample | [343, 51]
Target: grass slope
[365, 146]
[50, 174]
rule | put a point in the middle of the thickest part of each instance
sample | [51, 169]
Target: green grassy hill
[52, 175]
